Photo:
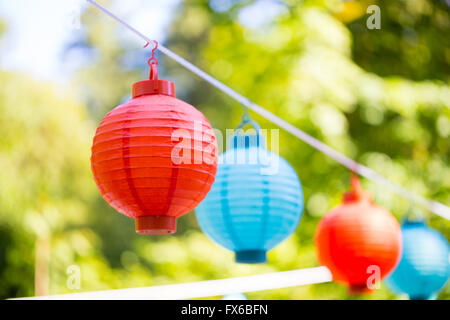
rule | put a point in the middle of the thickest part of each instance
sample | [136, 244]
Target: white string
[201, 289]
[434, 206]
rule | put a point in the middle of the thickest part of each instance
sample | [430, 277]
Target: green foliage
[413, 41]
[371, 94]
[45, 182]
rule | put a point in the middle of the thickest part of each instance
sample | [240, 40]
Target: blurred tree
[45, 177]
[413, 41]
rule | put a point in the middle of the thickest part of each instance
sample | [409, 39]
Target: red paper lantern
[358, 240]
[154, 157]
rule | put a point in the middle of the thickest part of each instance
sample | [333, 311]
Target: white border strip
[203, 289]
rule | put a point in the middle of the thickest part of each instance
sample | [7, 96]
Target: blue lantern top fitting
[255, 202]
[424, 266]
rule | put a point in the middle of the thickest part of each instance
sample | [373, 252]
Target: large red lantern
[358, 241]
[154, 157]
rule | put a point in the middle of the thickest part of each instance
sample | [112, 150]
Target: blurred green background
[381, 97]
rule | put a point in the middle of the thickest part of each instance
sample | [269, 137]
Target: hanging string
[246, 118]
[414, 214]
[153, 62]
[433, 206]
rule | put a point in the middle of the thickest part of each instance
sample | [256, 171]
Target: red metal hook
[356, 193]
[153, 62]
[356, 184]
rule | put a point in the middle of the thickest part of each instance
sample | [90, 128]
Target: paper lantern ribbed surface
[254, 204]
[154, 157]
[424, 267]
[356, 237]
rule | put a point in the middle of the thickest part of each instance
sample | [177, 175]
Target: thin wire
[433, 206]
[201, 289]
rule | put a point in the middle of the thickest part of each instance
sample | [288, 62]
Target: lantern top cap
[246, 141]
[149, 87]
[413, 223]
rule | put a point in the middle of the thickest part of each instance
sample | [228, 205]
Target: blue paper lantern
[255, 202]
[424, 267]
[235, 296]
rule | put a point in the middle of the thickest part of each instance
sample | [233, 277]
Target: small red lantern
[359, 241]
[154, 157]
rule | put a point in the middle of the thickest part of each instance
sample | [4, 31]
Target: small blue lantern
[424, 267]
[235, 296]
[255, 202]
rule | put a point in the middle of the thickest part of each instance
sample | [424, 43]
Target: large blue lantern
[424, 267]
[255, 202]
